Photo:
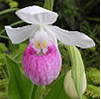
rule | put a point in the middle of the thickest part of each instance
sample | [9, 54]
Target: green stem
[93, 19]
[8, 10]
[37, 92]
[49, 4]
[5, 37]
[40, 92]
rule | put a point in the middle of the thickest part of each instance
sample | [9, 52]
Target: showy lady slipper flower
[42, 59]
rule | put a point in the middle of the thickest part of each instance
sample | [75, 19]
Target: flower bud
[70, 87]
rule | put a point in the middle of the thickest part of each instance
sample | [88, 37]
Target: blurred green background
[75, 15]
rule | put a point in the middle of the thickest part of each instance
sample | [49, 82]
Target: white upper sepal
[20, 34]
[37, 15]
[72, 37]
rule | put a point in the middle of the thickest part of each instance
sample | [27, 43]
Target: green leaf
[13, 4]
[17, 88]
[8, 10]
[4, 81]
[57, 90]
[28, 85]
[3, 95]
[33, 92]
[93, 91]
[3, 48]
[93, 19]
[49, 4]
[93, 76]
[3, 36]
[77, 68]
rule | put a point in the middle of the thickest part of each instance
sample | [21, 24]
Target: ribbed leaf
[33, 92]
[77, 68]
[17, 88]
[57, 90]
[28, 85]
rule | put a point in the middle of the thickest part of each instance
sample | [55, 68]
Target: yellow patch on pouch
[41, 46]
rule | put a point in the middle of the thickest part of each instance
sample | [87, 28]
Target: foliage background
[73, 15]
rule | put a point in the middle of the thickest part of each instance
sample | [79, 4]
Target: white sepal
[72, 37]
[20, 34]
[52, 35]
[37, 15]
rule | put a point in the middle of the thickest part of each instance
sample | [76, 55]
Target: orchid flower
[42, 59]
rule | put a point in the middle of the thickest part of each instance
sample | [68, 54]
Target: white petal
[37, 15]
[72, 37]
[20, 34]
[52, 35]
